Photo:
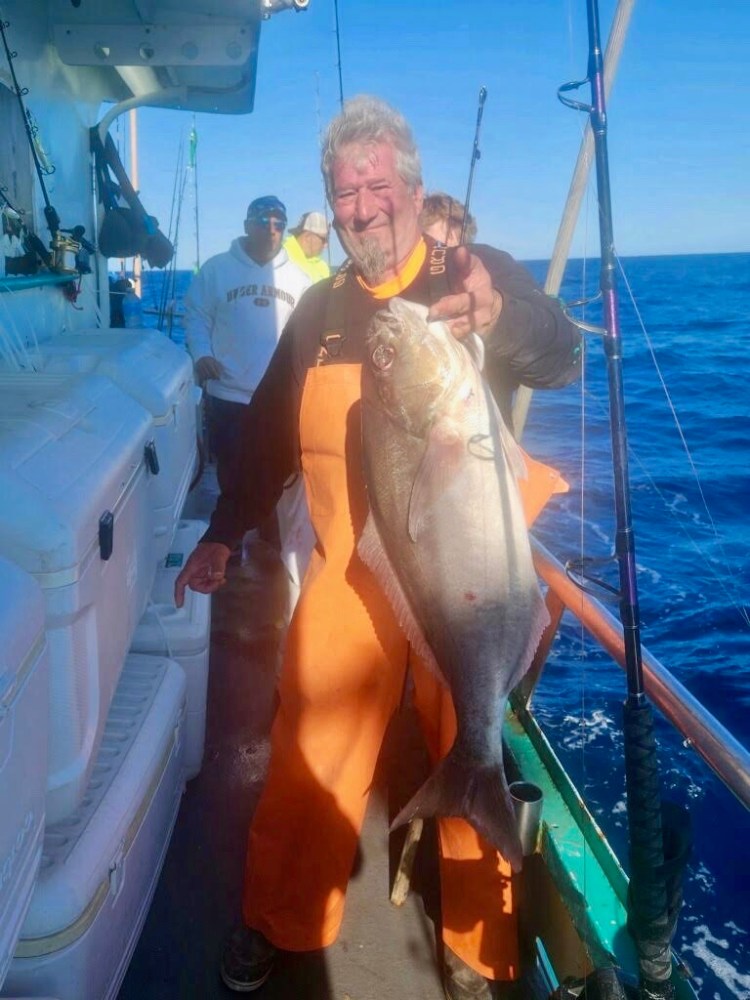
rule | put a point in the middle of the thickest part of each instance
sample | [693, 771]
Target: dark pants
[224, 425]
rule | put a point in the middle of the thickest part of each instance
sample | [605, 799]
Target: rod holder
[527, 803]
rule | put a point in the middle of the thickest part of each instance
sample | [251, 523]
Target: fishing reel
[71, 252]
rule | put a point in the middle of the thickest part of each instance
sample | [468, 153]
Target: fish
[447, 540]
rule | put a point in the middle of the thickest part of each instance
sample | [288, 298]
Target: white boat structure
[103, 683]
[98, 731]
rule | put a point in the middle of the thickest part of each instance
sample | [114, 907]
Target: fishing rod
[50, 215]
[658, 832]
[338, 53]
[475, 155]
[63, 241]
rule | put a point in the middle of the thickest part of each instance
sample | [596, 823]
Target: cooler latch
[152, 459]
[106, 534]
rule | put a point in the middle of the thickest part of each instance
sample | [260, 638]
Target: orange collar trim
[403, 279]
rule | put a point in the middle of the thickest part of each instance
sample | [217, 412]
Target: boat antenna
[338, 53]
[475, 155]
[658, 832]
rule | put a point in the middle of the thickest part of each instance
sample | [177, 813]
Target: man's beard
[368, 256]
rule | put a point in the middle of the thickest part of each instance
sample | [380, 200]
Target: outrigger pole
[658, 833]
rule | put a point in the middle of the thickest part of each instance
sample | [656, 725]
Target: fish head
[415, 366]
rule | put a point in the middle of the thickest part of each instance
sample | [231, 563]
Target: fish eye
[383, 357]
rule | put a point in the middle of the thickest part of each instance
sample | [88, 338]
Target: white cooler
[101, 865]
[75, 514]
[157, 374]
[182, 634]
[24, 697]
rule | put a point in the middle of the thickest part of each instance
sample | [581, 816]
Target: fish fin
[443, 456]
[514, 454]
[457, 787]
[374, 556]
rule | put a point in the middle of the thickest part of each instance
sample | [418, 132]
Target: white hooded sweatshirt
[235, 310]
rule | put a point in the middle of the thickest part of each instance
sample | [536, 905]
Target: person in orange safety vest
[346, 657]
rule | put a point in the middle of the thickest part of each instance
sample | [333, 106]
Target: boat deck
[383, 951]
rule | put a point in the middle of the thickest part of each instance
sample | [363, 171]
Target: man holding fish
[422, 556]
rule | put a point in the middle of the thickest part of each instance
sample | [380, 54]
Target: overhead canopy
[189, 54]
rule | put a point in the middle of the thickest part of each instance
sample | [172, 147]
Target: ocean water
[686, 374]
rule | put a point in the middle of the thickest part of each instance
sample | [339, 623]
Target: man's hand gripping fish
[447, 539]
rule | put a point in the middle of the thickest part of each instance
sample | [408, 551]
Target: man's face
[264, 235]
[375, 215]
[315, 244]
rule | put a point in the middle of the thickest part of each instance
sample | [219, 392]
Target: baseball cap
[314, 222]
[267, 205]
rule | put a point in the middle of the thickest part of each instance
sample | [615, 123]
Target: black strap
[108, 190]
[440, 259]
[334, 329]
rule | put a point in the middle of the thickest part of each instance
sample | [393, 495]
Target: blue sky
[679, 120]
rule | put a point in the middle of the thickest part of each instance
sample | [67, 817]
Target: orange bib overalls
[341, 680]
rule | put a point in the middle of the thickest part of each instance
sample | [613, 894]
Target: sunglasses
[268, 220]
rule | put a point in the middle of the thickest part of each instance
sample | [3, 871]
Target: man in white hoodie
[235, 310]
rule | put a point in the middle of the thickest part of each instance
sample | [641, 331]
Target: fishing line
[168, 282]
[193, 167]
[668, 507]
[741, 609]
[731, 597]
[89, 297]
[576, 567]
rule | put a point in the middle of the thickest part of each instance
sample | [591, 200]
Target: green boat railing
[724, 754]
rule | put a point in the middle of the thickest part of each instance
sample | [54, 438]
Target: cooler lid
[70, 448]
[139, 738]
[145, 363]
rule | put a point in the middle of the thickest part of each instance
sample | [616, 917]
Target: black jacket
[533, 344]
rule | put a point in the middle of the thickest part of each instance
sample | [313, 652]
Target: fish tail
[457, 787]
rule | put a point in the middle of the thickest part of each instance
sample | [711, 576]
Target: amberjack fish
[447, 539]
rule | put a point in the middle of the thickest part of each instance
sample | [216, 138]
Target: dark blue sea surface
[686, 375]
